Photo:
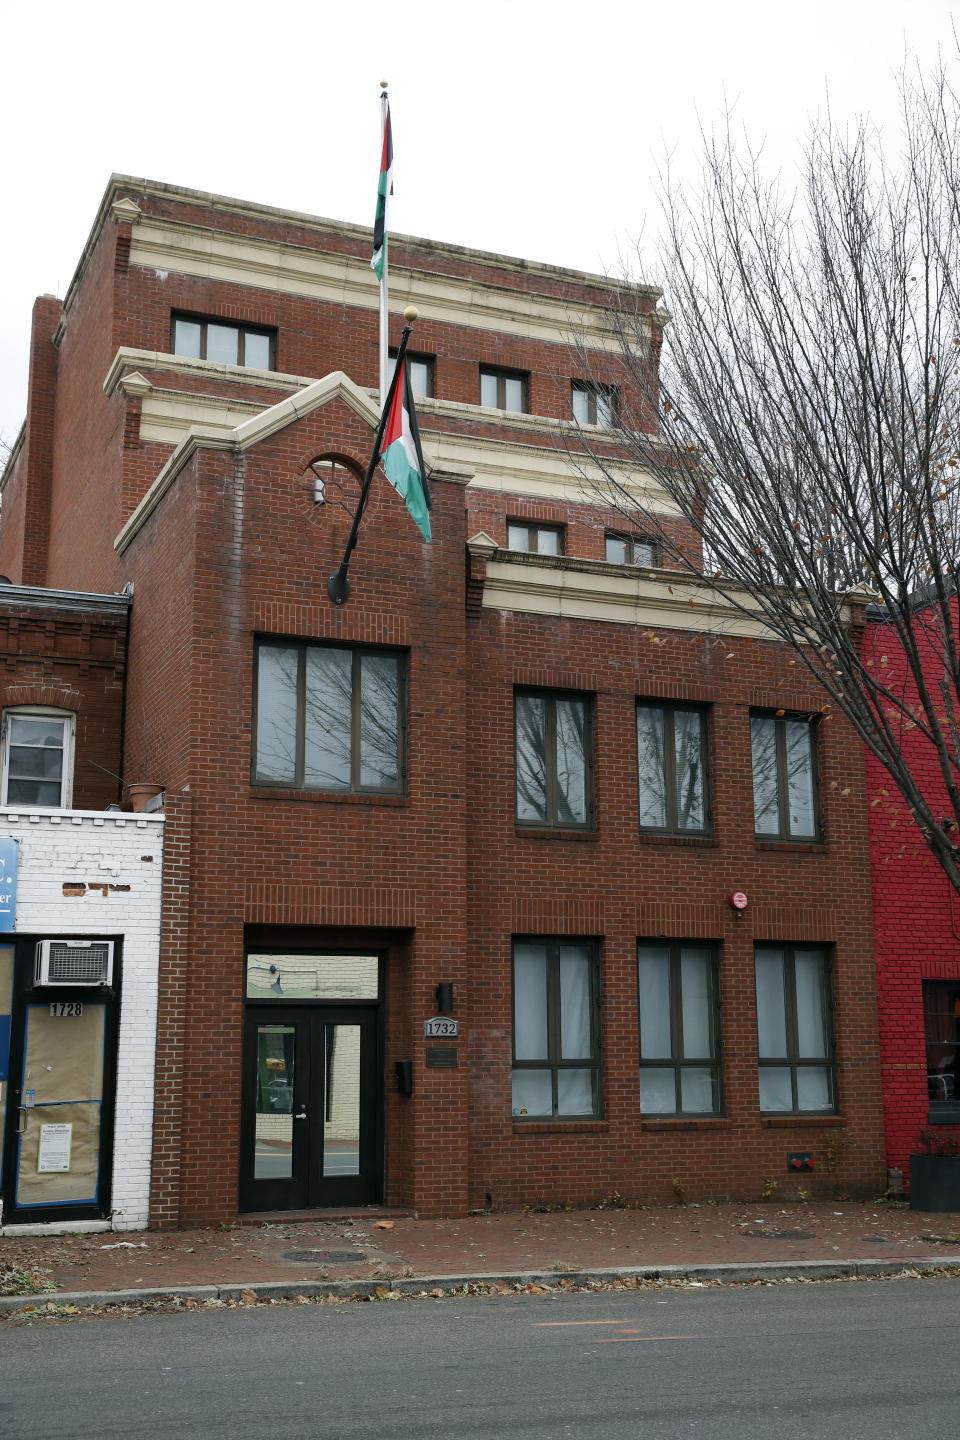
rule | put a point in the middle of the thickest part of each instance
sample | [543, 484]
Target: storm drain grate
[324, 1257]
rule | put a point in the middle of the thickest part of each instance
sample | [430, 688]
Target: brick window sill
[560, 1127]
[800, 1122]
[326, 797]
[792, 847]
[533, 832]
[679, 1123]
[691, 842]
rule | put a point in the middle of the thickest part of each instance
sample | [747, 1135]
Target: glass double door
[311, 1107]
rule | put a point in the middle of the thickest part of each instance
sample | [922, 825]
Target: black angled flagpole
[338, 586]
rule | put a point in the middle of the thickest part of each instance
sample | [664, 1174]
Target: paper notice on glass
[54, 1152]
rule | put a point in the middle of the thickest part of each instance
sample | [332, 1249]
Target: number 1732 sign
[441, 1025]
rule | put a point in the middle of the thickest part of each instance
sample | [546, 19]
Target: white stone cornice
[279, 267]
[482, 545]
[126, 209]
[208, 369]
[135, 384]
[649, 599]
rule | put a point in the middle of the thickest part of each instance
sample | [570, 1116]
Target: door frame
[26, 993]
[308, 1188]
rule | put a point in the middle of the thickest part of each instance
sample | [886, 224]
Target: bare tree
[809, 409]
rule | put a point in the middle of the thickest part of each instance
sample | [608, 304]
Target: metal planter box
[935, 1182]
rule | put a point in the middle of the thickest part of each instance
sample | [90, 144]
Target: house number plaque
[441, 1026]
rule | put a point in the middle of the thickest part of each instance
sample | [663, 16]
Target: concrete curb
[729, 1274]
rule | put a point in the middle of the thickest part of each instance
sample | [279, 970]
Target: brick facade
[439, 880]
[70, 657]
[916, 915]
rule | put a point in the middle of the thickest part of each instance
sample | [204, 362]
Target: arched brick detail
[337, 457]
[57, 697]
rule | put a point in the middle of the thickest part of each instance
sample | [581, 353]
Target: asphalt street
[866, 1359]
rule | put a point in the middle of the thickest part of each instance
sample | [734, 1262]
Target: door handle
[22, 1122]
[301, 1116]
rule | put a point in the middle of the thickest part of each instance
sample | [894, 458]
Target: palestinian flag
[384, 189]
[401, 455]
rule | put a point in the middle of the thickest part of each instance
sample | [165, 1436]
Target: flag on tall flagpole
[384, 191]
[402, 456]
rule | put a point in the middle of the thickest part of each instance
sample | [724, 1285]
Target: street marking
[628, 1339]
[560, 1324]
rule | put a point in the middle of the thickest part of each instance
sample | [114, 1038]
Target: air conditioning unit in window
[74, 962]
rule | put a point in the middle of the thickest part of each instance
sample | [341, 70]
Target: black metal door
[312, 1114]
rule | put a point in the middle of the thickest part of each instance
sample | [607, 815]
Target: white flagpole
[384, 304]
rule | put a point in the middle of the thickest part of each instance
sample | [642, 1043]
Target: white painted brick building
[85, 873]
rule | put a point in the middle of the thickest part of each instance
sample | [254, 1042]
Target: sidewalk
[354, 1255]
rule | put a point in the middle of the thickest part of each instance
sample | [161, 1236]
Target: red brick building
[917, 939]
[517, 778]
[80, 885]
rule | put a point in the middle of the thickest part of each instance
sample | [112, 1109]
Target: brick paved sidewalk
[358, 1248]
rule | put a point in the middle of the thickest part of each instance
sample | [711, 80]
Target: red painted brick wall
[916, 921]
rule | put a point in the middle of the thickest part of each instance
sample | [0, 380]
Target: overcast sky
[527, 128]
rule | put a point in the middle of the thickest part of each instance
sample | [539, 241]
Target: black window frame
[943, 1108]
[242, 328]
[793, 1060]
[670, 709]
[535, 528]
[783, 834]
[555, 1062]
[550, 697]
[502, 375]
[418, 358]
[611, 393]
[632, 541]
[356, 652]
[677, 1061]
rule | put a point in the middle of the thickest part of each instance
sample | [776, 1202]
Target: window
[224, 343]
[38, 757]
[784, 781]
[941, 1025]
[503, 390]
[420, 370]
[794, 1042]
[630, 550]
[535, 539]
[672, 767]
[594, 404]
[677, 988]
[554, 760]
[328, 718]
[555, 1040]
[328, 480]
